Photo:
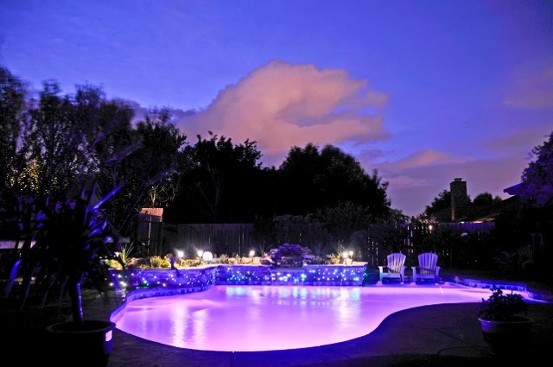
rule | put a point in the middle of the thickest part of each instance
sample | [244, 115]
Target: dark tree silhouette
[163, 147]
[439, 208]
[50, 144]
[537, 178]
[485, 199]
[483, 204]
[219, 182]
[150, 171]
[12, 115]
[312, 180]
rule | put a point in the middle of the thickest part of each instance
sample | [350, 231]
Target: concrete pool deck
[437, 335]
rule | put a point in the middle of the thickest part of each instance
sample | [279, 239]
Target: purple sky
[424, 91]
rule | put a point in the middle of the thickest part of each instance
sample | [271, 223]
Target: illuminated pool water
[263, 318]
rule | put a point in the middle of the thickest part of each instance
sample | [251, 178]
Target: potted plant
[504, 323]
[66, 245]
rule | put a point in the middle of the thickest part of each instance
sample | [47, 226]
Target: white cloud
[281, 105]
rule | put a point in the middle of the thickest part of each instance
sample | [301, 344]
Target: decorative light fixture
[207, 256]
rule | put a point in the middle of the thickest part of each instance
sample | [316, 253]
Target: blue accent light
[200, 278]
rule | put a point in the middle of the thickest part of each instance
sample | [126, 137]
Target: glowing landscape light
[207, 256]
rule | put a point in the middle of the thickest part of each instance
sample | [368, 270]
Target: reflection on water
[257, 318]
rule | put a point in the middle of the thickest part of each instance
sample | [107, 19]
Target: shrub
[503, 307]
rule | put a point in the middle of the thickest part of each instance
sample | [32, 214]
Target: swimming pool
[264, 318]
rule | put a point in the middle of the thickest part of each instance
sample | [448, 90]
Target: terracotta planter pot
[508, 338]
[89, 345]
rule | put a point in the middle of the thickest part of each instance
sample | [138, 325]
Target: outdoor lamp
[207, 256]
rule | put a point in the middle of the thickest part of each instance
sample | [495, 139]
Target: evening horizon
[422, 92]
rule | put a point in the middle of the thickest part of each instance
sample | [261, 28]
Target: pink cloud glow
[416, 185]
[281, 105]
[423, 158]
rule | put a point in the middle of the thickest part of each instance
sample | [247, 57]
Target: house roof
[513, 190]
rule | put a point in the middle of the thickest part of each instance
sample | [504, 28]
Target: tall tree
[314, 179]
[149, 169]
[342, 221]
[299, 172]
[53, 146]
[533, 223]
[483, 204]
[50, 145]
[439, 209]
[220, 181]
[13, 113]
[537, 178]
[162, 156]
[485, 199]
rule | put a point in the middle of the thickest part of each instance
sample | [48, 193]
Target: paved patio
[438, 335]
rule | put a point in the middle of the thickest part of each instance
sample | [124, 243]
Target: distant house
[462, 215]
[513, 190]
[489, 214]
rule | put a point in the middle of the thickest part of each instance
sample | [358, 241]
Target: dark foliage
[503, 307]
[65, 245]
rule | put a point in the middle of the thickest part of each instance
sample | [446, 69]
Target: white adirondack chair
[395, 268]
[428, 269]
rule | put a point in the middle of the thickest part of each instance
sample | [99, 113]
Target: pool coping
[200, 284]
[533, 293]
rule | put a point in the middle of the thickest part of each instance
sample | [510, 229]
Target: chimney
[459, 198]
